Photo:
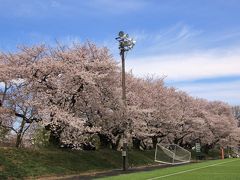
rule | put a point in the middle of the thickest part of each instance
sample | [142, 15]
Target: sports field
[228, 169]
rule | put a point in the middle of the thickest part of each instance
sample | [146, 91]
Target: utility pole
[122, 53]
[125, 44]
[125, 146]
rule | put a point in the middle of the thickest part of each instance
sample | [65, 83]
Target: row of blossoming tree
[75, 93]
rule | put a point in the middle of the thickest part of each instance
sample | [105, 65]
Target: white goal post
[171, 154]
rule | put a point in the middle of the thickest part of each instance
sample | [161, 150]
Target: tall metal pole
[123, 78]
[125, 44]
[124, 149]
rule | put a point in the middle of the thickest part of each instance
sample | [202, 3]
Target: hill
[21, 163]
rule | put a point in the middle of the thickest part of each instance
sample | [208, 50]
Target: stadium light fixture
[125, 44]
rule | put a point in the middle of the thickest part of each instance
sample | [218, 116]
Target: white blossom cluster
[76, 93]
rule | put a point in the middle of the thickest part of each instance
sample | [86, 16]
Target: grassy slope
[19, 163]
[227, 169]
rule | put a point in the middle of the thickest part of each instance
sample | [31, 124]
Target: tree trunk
[175, 141]
[20, 134]
[88, 147]
[54, 140]
[181, 143]
[143, 145]
[18, 140]
[154, 141]
[116, 144]
[136, 143]
[104, 141]
[206, 148]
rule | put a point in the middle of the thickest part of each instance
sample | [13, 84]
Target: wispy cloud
[189, 59]
[178, 52]
[183, 38]
[227, 91]
[188, 66]
[176, 38]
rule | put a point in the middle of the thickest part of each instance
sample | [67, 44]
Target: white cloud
[227, 91]
[183, 70]
[178, 37]
[190, 66]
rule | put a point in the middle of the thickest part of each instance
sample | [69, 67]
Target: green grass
[20, 163]
[228, 169]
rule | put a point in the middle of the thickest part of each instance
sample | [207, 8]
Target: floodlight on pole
[125, 44]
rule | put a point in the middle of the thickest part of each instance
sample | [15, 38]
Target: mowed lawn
[228, 169]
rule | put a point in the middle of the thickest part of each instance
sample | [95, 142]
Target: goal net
[171, 154]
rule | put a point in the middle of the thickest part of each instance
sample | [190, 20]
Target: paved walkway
[94, 175]
[115, 172]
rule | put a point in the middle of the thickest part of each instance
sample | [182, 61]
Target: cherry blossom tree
[75, 92]
[17, 114]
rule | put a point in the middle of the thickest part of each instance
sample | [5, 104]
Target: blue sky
[194, 43]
